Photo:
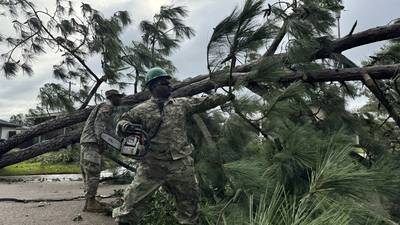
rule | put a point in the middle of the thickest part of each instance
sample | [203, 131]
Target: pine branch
[92, 92]
[73, 53]
[370, 83]
[362, 38]
[277, 41]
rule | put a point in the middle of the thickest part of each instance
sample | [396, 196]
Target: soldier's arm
[202, 104]
[103, 121]
[126, 121]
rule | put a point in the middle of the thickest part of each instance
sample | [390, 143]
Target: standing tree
[76, 35]
[160, 37]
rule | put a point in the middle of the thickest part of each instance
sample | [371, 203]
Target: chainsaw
[133, 146]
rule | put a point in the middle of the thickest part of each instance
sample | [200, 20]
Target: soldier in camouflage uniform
[168, 163]
[100, 120]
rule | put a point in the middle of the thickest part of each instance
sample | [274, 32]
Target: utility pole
[69, 89]
[338, 15]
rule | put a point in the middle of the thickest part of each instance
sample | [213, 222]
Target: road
[51, 213]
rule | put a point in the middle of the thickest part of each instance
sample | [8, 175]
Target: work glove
[134, 129]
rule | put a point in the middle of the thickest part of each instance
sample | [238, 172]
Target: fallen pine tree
[202, 83]
[200, 86]
[250, 75]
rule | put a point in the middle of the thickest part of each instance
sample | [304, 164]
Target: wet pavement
[51, 177]
[50, 213]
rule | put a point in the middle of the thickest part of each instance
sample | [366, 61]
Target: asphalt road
[50, 213]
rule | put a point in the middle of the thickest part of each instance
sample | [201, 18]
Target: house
[8, 129]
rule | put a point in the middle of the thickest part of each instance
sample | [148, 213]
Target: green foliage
[70, 155]
[237, 34]
[37, 168]
[78, 35]
[160, 37]
[287, 156]
[156, 34]
[162, 209]
[18, 119]
[54, 97]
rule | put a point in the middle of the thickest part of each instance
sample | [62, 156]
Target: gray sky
[19, 94]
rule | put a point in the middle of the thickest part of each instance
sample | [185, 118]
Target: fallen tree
[245, 74]
[183, 88]
[54, 144]
[205, 85]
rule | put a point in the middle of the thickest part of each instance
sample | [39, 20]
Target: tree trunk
[92, 93]
[45, 127]
[376, 72]
[362, 38]
[277, 41]
[54, 144]
[204, 130]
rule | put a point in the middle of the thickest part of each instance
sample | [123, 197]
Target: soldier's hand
[134, 129]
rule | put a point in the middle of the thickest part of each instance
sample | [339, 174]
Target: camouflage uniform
[168, 164]
[99, 121]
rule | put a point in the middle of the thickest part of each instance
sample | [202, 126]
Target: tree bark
[348, 74]
[45, 127]
[277, 41]
[362, 38]
[54, 144]
[204, 130]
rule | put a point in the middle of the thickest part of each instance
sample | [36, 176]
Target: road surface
[51, 213]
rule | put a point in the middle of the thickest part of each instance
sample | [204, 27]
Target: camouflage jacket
[100, 120]
[170, 141]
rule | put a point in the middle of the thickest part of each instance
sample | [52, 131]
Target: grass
[37, 168]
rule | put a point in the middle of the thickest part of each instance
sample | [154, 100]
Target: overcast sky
[19, 94]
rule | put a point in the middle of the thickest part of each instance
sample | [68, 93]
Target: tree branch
[202, 83]
[73, 53]
[362, 38]
[193, 86]
[277, 41]
[370, 83]
[92, 92]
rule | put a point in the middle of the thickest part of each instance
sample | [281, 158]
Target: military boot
[92, 205]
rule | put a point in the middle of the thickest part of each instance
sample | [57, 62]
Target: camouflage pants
[176, 177]
[90, 167]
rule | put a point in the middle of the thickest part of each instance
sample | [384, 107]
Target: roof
[4, 123]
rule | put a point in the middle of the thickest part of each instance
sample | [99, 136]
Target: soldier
[168, 162]
[100, 120]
